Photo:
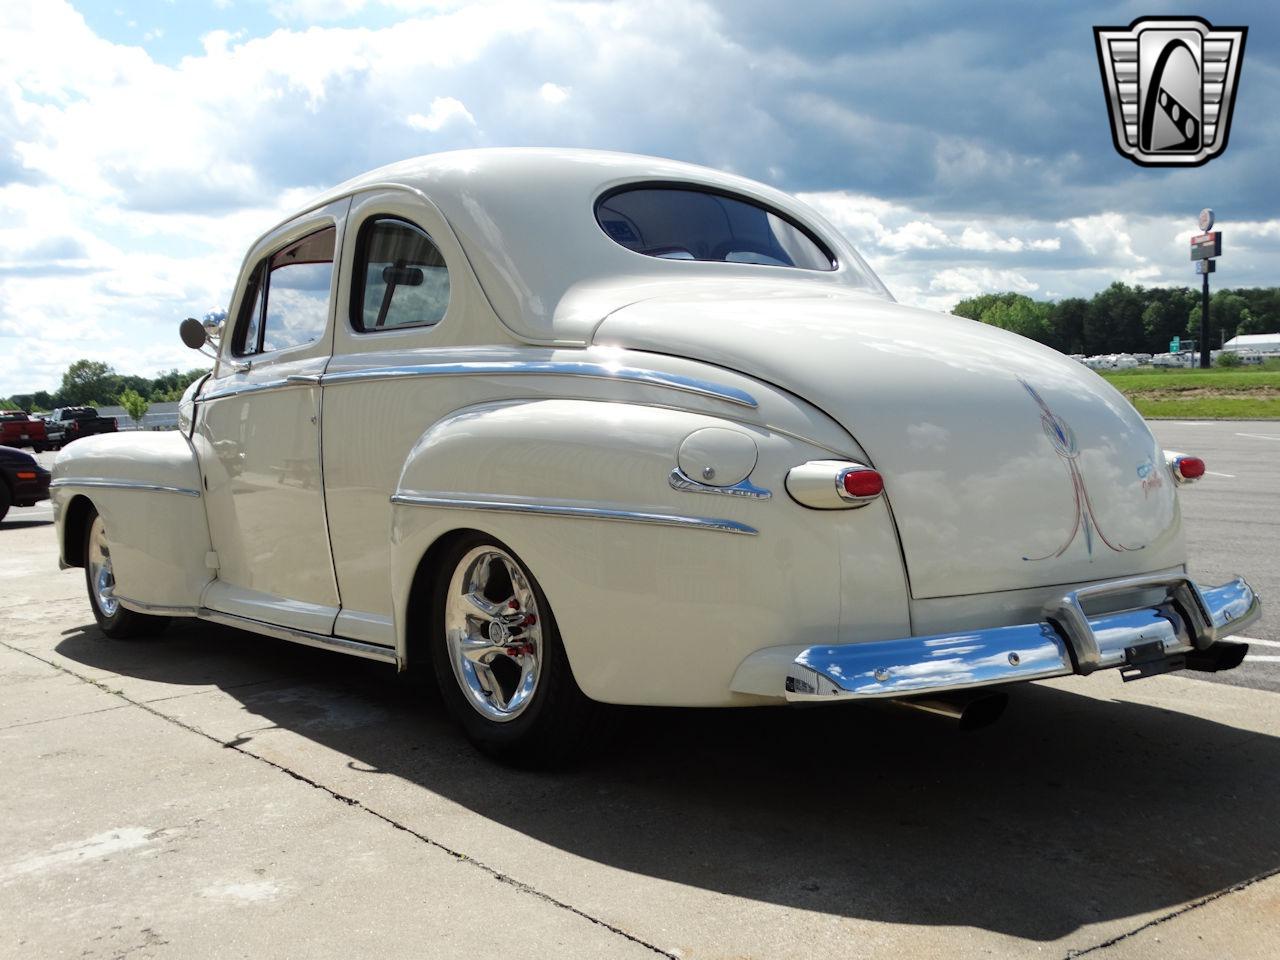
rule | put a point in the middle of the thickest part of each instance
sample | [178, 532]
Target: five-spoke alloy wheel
[498, 659]
[493, 633]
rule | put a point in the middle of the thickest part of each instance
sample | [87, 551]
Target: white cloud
[553, 93]
[443, 111]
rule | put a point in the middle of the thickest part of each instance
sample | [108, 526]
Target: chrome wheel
[101, 580]
[493, 630]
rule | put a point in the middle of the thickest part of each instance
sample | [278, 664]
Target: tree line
[1128, 319]
[93, 383]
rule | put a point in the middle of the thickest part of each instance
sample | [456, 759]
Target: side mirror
[193, 333]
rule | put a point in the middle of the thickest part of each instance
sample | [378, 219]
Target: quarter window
[287, 299]
[400, 278]
[683, 224]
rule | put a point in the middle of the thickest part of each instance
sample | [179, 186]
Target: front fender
[659, 593]
[147, 488]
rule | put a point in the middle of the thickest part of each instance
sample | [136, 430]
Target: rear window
[676, 223]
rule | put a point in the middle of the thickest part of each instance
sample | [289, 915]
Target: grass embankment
[1236, 393]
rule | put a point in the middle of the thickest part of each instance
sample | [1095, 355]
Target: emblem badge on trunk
[1171, 85]
[1064, 445]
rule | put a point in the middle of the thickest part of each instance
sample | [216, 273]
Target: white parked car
[576, 428]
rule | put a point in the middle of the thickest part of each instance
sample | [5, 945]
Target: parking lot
[211, 793]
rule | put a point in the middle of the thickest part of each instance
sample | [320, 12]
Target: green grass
[1249, 393]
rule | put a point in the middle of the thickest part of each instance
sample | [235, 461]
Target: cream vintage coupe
[574, 428]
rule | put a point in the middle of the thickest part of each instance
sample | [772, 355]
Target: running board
[370, 651]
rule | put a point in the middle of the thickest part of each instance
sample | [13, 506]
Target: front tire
[113, 619]
[499, 662]
[5, 499]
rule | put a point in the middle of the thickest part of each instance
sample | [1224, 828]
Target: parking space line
[1257, 436]
[1253, 658]
[1229, 476]
[1260, 642]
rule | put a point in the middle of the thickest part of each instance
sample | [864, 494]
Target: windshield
[686, 224]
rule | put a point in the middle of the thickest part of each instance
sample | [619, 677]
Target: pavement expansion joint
[69, 716]
[462, 858]
[1174, 914]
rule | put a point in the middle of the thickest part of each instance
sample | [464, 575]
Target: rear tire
[5, 499]
[499, 662]
[113, 619]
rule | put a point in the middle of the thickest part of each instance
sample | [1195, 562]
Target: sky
[962, 147]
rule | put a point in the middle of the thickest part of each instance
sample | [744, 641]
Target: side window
[298, 292]
[286, 302]
[400, 279]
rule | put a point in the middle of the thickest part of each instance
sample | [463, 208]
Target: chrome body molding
[283, 383]
[461, 502]
[681, 481]
[105, 483]
[1067, 641]
[370, 651]
[156, 609]
[559, 368]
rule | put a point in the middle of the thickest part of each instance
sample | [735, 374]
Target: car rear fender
[658, 592]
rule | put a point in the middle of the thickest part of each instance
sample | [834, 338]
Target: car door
[258, 433]
[406, 297]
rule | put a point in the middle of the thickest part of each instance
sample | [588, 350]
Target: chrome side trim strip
[681, 481]
[156, 609]
[558, 368]
[103, 482]
[296, 380]
[341, 644]
[456, 502]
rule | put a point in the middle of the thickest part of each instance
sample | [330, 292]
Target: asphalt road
[210, 793]
[1232, 522]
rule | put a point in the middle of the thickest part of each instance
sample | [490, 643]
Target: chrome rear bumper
[1187, 619]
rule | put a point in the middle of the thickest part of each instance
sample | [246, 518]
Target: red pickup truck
[19, 429]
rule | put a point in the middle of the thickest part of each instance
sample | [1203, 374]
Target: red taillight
[1189, 468]
[26, 475]
[863, 483]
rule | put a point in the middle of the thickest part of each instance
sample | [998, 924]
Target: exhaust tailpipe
[971, 711]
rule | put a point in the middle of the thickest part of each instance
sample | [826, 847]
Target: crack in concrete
[458, 856]
[69, 716]
[1174, 914]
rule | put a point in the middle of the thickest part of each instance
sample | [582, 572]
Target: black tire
[6, 498]
[558, 724]
[118, 624]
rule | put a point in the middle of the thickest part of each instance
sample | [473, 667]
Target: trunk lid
[1007, 465]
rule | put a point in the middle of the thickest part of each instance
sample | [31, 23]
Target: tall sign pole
[1204, 248]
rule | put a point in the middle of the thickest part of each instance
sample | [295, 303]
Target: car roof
[525, 219]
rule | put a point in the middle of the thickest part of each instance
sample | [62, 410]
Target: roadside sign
[1206, 266]
[1175, 345]
[1206, 245]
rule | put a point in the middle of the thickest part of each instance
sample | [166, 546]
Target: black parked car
[23, 482]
